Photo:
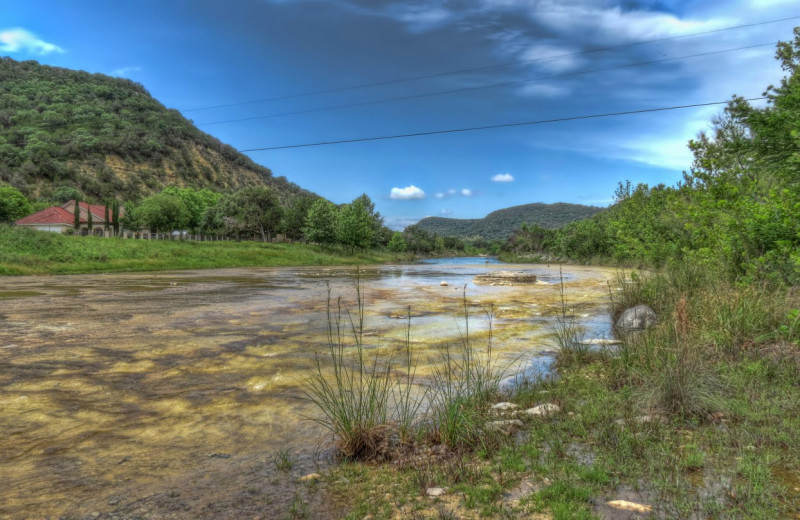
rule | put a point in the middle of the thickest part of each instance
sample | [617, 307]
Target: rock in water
[637, 318]
[443, 284]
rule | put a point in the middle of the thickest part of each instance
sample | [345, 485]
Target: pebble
[443, 283]
[435, 491]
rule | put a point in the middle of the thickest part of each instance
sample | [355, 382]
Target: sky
[527, 60]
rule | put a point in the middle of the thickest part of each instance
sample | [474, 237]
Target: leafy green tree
[320, 223]
[197, 201]
[355, 225]
[64, 194]
[295, 216]
[163, 213]
[255, 209]
[13, 204]
[397, 244]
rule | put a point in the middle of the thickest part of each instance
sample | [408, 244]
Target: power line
[479, 87]
[487, 67]
[490, 127]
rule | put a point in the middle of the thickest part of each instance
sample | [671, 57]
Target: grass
[25, 251]
[696, 417]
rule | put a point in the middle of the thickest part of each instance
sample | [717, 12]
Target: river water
[117, 387]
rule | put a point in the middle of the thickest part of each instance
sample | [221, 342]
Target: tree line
[736, 211]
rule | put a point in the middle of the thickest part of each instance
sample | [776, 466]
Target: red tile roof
[51, 215]
[59, 215]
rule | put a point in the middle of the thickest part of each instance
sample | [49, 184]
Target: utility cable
[490, 127]
[481, 87]
[487, 67]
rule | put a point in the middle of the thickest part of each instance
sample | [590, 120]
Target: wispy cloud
[445, 212]
[503, 177]
[126, 71]
[407, 193]
[466, 192]
[17, 39]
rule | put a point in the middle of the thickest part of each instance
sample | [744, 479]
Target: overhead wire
[481, 87]
[490, 127]
[487, 67]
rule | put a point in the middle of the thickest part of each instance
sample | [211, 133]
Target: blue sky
[198, 53]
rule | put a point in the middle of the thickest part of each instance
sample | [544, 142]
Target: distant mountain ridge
[502, 223]
[108, 137]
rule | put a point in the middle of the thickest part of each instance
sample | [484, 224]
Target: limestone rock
[543, 409]
[637, 318]
[311, 477]
[630, 506]
[504, 407]
[435, 491]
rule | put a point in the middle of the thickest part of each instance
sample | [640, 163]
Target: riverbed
[122, 391]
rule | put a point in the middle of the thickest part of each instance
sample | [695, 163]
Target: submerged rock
[505, 278]
[637, 318]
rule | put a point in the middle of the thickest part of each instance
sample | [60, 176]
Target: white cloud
[503, 177]
[445, 212]
[126, 71]
[440, 195]
[451, 191]
[17, 39]
[466, 192]
[407, 193]
[551, 58]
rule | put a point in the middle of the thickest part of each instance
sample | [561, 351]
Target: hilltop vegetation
[502, 223]
[108, 137]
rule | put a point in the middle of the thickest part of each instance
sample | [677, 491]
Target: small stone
[435, 491]
[113, 501]
[546, 481]
[311, 477]
[443, 283]
[571, 414]
[543, 409]
[630, 506]
[94, 514]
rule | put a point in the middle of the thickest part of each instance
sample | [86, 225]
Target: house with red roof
[61, 219]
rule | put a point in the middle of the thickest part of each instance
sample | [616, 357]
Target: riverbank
[694, 418]
[24, 252]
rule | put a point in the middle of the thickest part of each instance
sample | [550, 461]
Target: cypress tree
[105, 222]
[76, 222]
[89, 220]
[115, 216]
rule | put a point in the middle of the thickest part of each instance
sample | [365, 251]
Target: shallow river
[118, 388]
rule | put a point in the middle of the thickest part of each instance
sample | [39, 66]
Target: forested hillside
[502, 223]
[108, 137]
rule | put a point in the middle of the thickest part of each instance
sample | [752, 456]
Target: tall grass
[704, 320]
[566, 333]
[371, 413]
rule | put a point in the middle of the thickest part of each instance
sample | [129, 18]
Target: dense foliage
[501, 224]
[736, 211]
[63, 129]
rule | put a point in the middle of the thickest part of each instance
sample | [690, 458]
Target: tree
[397, 244]
[115, 218]
[255, 209]
[13, 204]
[355, 226]
[295, 217]
[196, 202]
[163, 213]
[89, 221]
[76, 220]
[320, 223]
[105, 221]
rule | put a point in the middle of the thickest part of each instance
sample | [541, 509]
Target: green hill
[502, 223]
[108, 137]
